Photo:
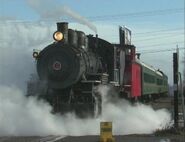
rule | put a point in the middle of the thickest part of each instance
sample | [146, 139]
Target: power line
[156, 51]
[137, 14]
[161, 44]
[152, 33]
[116, 16]
[159, 31]
[159, 37]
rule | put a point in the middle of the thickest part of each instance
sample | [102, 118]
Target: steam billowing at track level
[21, 116]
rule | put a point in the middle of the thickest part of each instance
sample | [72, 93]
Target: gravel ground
[128, 138]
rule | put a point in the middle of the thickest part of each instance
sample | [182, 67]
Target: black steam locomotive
[72, 67]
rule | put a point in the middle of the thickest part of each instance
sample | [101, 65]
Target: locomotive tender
[70, 68]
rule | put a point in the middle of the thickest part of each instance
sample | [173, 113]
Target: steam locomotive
[69, 70]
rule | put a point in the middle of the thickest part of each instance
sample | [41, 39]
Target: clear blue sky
[108, 10]
[21, 10]
[169, 22]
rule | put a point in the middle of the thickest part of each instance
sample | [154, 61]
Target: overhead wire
[137, 14]
[153, 33]
[116, 16]
[160, 44]
[164, 31]
[158, 37]
[157, 51]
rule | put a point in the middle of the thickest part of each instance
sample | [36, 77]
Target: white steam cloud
[17, 43]
[130, 118]
[21, 116]
[49, 9]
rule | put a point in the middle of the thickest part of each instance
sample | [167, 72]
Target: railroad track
[32, 139]
[51, 138]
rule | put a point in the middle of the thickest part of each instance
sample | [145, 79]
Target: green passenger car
[154, 82]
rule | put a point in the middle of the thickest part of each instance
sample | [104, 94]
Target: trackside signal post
[106, 132]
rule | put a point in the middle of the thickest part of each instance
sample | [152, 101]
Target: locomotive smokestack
[63, 27]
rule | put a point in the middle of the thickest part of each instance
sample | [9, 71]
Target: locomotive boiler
[63, 63]
[69, 70]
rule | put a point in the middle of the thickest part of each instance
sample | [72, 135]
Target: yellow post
[106, 132]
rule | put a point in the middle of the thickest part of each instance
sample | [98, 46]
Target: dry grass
[170, 131]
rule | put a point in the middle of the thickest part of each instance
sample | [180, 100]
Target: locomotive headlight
[58, 36]
[35, 54]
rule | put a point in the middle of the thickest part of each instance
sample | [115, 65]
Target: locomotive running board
[91, 81]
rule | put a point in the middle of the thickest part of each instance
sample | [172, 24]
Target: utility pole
[184, 47]
[182, 97]
[176, 90]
